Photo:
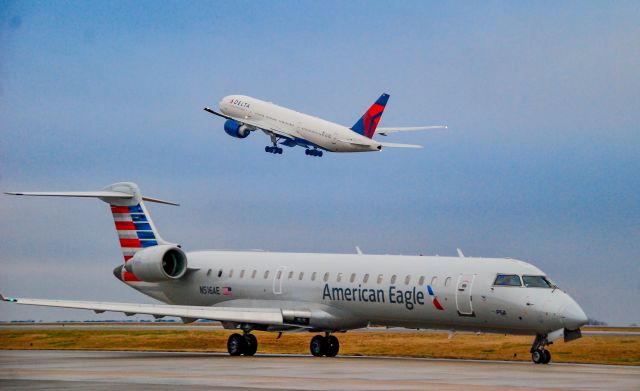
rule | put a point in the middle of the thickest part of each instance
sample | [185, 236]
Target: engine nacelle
[158, 263]
[235, 129]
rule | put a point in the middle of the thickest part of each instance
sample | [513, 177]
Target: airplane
[324, 294]
[290, 128]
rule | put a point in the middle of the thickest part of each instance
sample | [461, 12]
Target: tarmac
[69, 370]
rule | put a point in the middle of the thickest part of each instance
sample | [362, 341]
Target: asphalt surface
[70, 370]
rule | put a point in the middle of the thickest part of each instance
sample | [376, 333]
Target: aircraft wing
[248, 122]
[266, 316]
[387, 131]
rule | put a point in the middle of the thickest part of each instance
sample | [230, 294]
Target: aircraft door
[277, 280]
[464, 299]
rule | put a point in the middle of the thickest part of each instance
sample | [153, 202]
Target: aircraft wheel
[251, 345]
[279, 150]
[320, 153]
[236, 344]
[333, 346]
[546, 356]
[267, 149]
[318, 346]
[538, 356]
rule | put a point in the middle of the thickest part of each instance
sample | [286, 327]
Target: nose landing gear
[540, 355]
[324, 346]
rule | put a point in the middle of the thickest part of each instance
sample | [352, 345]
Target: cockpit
[526, 280]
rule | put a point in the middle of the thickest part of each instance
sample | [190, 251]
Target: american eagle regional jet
[287, 127]
[324, 293]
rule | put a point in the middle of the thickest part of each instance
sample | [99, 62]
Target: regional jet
[290, 128]
[324, 294]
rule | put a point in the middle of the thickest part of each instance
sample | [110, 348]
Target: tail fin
[367, 124]
[134, 226]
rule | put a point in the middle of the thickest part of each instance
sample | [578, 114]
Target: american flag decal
[226, 291]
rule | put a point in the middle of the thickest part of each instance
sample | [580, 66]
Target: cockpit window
[508, 280]
[536, 282]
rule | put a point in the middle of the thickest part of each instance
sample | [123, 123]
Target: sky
[541, 161]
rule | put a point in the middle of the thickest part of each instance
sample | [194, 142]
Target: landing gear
[274, 150]
[324, 346]
[246, 344]
[540, 355]
[313, 152]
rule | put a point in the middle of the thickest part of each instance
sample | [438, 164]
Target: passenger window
[253, 275]
[230, 273]
[339, 277]
[353, 277]
[365, 279]
[433, 281]
[393, 279]
[242, 273]
[291, 274]
[209, 272]
[380, 277]
[407, 279]
[313, 276]
[421, 281]
[447, 281]
[266, 274]
[536, 282]
[326, 276]
[300, 276]
[279, 275]
[507, 280]
[220, 273]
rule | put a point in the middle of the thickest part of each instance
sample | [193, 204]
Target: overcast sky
[541, 161]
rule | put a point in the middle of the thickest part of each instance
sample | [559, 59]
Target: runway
[51, 370]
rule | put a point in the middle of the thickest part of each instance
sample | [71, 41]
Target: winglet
[9, 299]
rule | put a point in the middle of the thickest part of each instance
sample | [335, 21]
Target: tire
[251, 345]
[537, 356]
[333, 346]
[236, 345]
[318, 346]
[546, 356]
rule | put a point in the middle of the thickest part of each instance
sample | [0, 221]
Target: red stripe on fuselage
[129, 276]
[127, 257]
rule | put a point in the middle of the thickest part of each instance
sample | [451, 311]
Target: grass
[590, 349]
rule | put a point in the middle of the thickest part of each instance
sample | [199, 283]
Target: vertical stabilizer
[368, 123]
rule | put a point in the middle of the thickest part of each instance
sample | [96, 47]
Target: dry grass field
[622, 350]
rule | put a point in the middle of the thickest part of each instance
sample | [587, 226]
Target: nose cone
[573, 316]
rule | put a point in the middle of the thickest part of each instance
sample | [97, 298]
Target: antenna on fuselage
[358, 251]
[460, 254]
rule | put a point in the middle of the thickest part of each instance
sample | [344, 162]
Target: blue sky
[541, 160]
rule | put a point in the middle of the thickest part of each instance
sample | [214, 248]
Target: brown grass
[590, 349]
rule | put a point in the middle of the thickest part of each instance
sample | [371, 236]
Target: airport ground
[131, 371]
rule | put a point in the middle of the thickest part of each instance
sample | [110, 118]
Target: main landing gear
[324, 346]
[313, 152]
[246, 344]
[540, 355]
[274, 150]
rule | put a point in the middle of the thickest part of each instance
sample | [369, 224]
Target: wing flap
[267, 316]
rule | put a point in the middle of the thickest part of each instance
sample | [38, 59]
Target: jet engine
[158, 263]
[235, 129]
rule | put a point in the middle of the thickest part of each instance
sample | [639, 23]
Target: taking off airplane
[324, 293]
[245, 114]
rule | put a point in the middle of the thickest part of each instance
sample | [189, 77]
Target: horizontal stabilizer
[395, 145]
[266, 316]
[105, 195]
[387, 131]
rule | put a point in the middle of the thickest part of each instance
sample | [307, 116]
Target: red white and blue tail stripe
[368, 123]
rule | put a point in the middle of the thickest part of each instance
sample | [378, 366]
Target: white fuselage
[280, 120]
[343, 291]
